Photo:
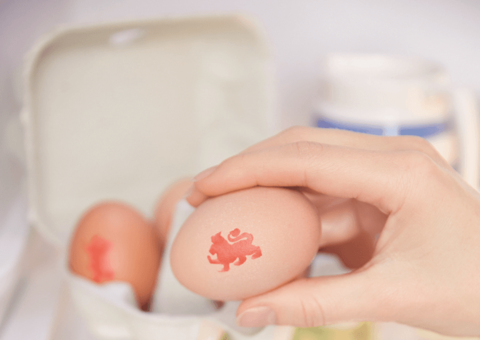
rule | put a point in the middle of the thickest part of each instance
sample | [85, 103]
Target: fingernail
[189, 191]
[257, 317]
[204, 173]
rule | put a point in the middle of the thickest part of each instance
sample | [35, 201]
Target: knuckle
[241, 158]
[239, 164]
[419, 162]
[420, 167]
[235, 163]
[312, 312]
[419, 143]
[414, 172]
[232, 161]
[306, 148]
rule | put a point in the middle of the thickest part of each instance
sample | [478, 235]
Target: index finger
[370, 176]
[350, 139]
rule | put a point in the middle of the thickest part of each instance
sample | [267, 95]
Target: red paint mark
[227, 253]
[98, 249]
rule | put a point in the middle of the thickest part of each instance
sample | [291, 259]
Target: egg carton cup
[111, 313]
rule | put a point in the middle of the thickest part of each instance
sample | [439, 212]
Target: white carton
[119, 111]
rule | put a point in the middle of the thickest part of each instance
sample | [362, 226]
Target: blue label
[424, 131]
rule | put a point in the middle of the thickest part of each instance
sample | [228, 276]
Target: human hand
[424, 269]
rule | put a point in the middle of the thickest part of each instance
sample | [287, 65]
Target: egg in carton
[118, 112]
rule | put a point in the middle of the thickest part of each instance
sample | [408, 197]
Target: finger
[354, 253]
[317, 301]
[343, 233]
[323, 202]
[166, 206]
[339, 224]
[196, 197]
[379, 178]
[370, 218]
[342, 215]
[341, 138]
[351, 139]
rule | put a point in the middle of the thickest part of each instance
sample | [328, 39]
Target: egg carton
[121, 110]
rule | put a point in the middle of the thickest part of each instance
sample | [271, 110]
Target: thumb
[319, 301]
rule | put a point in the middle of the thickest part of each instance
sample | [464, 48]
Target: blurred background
[298, 33]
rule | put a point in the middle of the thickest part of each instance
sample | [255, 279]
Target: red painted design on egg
[227, 253]
[98, 249]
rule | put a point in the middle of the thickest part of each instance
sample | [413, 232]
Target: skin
[424, 268]
[166, 206]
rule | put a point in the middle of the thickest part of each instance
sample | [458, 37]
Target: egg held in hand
[246, 243]
[113, 242]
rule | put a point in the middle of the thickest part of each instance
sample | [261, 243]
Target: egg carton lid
[119, 111]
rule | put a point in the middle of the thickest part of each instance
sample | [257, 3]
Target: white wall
[299, 32]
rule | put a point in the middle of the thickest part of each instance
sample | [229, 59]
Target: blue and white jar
[395, 96]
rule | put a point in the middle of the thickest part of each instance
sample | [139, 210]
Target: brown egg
[166, 207]
[113, 242]
[246, 243]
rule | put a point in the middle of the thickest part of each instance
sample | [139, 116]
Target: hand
[424, 269]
